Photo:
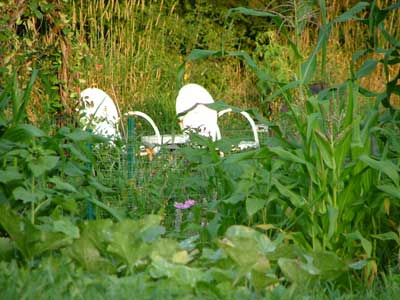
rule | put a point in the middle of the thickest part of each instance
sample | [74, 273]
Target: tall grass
[135, 49]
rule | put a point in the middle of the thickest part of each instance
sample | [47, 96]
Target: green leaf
[79, 135]
[286, 155]
[61, 185]
[6, 248]
[19, 229]
[88, 256]
[247, 248]
[183, 274]
[152, 233]
[367, 68]
[328, 263]
[312, 120]
[253, 205]
[384, 166]
[367, 246]
[390, 190]
[333, 213]
[21, 111]
[325, 149]
[350, 14]
[67, 227]
[26, 196]
[358, 265]
[73, 169]
[108, 209]
[76, 152]
[42, 164]
[99, 186]
[23, 132]
[387, 236]
[295, 271]
[294, 198]
[308, 68]
[10, 174]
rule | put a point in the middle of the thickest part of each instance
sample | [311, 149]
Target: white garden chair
[101, 114]
[193, 116]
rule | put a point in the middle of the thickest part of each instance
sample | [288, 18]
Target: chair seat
[166, 139]
[243, 145]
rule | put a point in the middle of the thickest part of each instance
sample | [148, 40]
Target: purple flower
[185, 205]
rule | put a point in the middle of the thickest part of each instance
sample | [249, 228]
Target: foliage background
[132, 49]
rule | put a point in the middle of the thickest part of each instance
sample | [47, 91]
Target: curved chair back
[197, 116]
[99, 112]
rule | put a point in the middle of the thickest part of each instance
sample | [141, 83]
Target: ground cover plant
[312, 214]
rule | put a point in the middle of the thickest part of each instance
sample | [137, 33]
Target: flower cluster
[185, 205]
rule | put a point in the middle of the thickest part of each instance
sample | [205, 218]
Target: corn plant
[328, 181]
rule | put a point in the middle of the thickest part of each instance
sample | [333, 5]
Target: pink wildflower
[185, 205]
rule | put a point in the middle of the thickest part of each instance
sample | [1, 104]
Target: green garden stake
[90, 209]
[131, 155]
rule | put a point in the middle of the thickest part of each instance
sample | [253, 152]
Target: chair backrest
[197, 116]
[99, 113]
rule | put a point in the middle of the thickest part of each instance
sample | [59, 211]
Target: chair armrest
[249, 119]
[153, 125]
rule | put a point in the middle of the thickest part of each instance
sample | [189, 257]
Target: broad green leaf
[352, 102]
[76, 152]
[342, 147]
[253, 205]
[26, 196]
[390, 38]
[235, 198]
[99, 186]
[333, 213]
[238, 236]
[367, 68]
[294, 198]
[6, 249]
[20, 103]
[283, 88]
[286, 155]
[49, 241]
[387, 236]
[328, 263]
[311, 124]
[367, 246]
[10, 174]
[79, 135]
[309, 66]
[350, 14]
[390, 190]
[181, 257]
[152, 233]
[42, 164]
[67, 227]
[19, 229]
[124, 243]
[358, 265]
[250, 12]
[312, 172]
[23, 132]
[108, 209]
[99, 232]
[295, 271]
[88, 256]
[62, 185]
[384, 166]
[180, 273]
[325, 149]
